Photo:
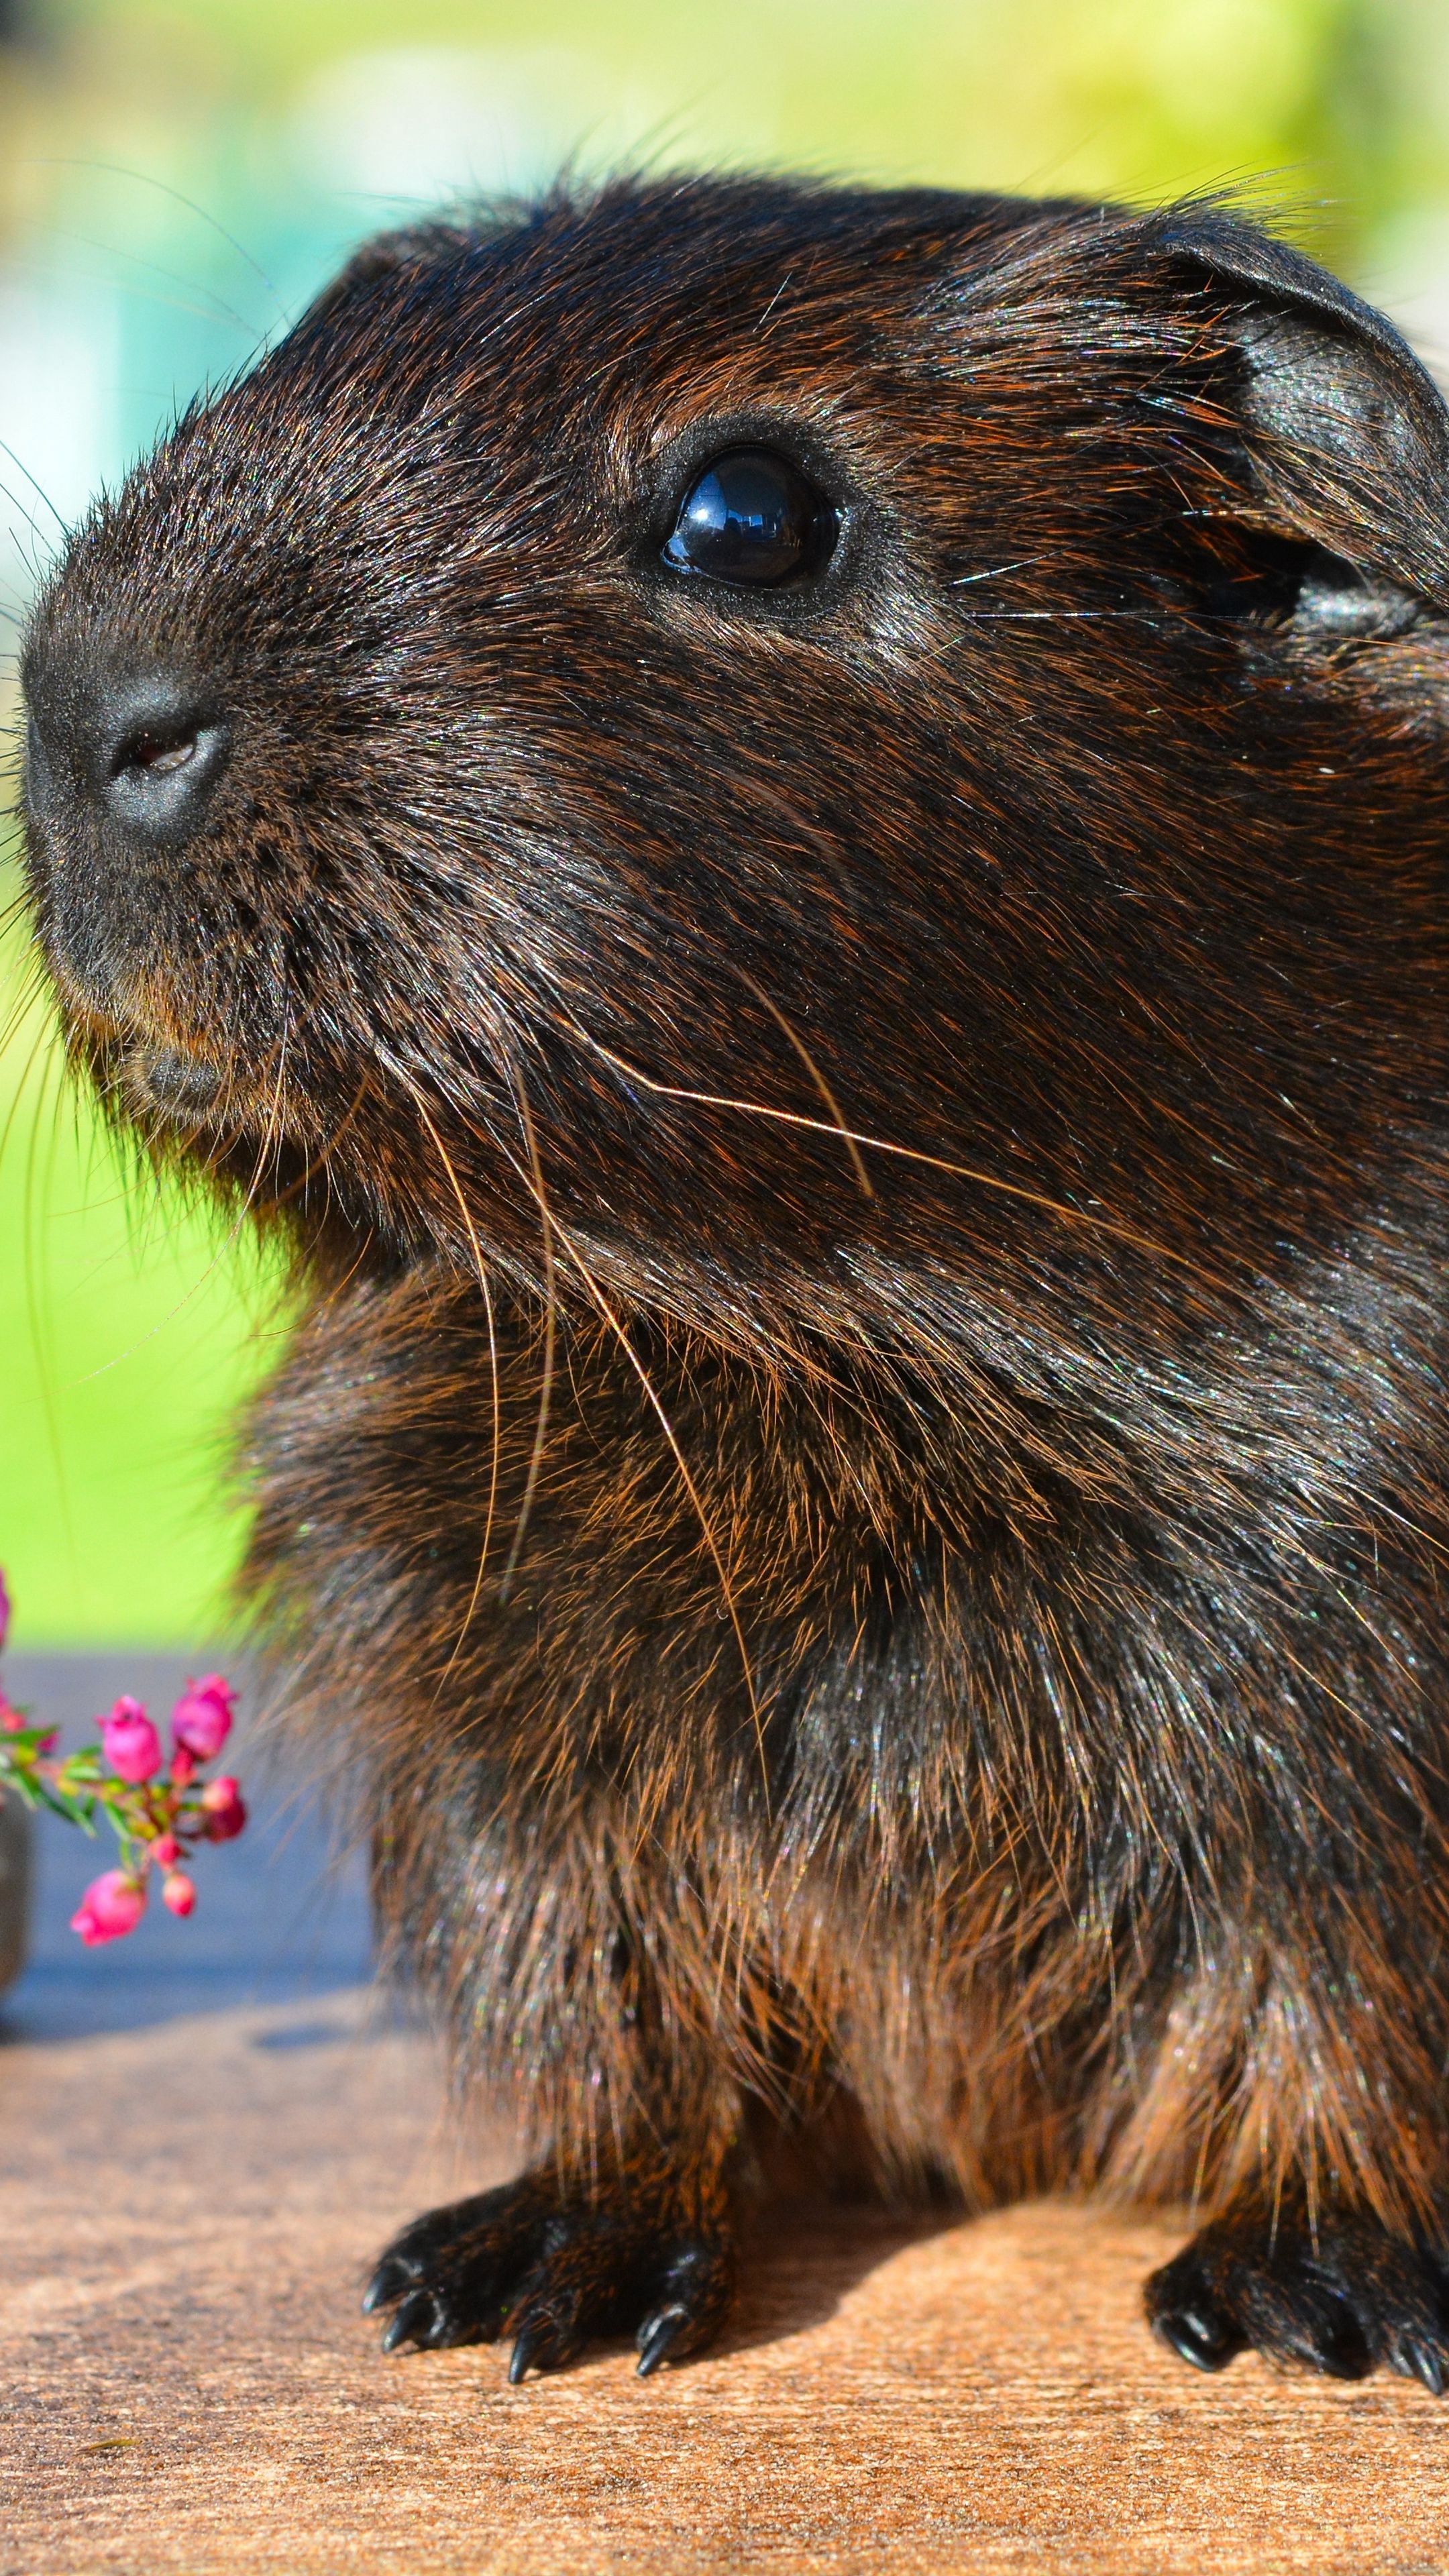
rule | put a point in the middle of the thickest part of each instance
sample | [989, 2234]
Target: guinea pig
[795, 841]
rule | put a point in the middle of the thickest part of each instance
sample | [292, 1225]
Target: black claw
[1200, 2336]
[1414, 2357]
[551, 2272]
[388, 2282]
[531, 2348]
[1340, 2347]
[1341, 2298]
[416, 2322]
[657, 2335]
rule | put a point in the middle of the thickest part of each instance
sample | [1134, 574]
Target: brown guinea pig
[798, 837]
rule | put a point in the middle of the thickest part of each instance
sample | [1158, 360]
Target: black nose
[147, 752]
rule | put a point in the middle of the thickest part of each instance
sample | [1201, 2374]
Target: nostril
[158, 752]
[145, 748]
[160, 756]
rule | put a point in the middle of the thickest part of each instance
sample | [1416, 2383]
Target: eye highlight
[751, 519]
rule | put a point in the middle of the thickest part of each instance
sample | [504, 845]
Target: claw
[1414, 2357]
[1201, 2336]
[388, 2282]
[656, 2336]
[531, 2347]
[550, 2272]
[416, 2322]
[1339, 2344]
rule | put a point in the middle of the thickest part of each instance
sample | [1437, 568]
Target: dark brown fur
[863, 1472]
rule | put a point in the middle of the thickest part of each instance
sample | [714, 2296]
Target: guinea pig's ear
[386, 254]
[1344, 434]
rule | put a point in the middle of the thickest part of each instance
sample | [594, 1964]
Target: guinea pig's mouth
[178, 1086]
[154, 1071]
[180, 1082]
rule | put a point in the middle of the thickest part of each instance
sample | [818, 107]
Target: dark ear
[411, 246]
[1346, 434]
[384, 256]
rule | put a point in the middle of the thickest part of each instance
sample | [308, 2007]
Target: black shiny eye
[751, 518]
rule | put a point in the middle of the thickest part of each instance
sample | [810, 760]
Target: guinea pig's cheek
[47, 809]
[68, 873]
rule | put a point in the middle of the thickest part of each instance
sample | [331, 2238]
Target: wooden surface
[190, 2204]
[189, 2385]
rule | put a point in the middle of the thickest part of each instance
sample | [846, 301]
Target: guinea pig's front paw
[1342, 2296]
[555, 2272]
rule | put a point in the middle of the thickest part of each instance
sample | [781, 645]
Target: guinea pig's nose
[147, 751]
[158, 752]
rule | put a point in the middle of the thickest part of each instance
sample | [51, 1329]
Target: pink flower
[111, 1906]
[178, 1892]
[132, 1745]
[201, 1720]
[166, 1851]
[225, 1812]
[14, 1720]
[4, 1609]
[183, 1766]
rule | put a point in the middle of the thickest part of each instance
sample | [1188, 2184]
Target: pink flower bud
[14, 1720]
[111, 1906]
[166, 1851]
[201, 1719]
[178, 1892]
[4, 1608]
[225, 1811]
[183, 1766]
[132, 1745]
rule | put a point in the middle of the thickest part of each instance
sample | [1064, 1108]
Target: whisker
[215, 309]
[17, 504]
[319, 1161]
[817, 1077]
[480, 1267]
[550, 1321]
[560, 1234]
[681, 1463]
[232, 1236]
[1067, 616]
[38, 1305]
[148, 179]
[997, 572]
[905, 1153]
[36, 487]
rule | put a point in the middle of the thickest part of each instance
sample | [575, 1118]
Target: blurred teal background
[175, 181]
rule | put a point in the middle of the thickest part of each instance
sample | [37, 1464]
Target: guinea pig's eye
[752, 519]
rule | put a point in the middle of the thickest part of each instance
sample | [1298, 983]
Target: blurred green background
[175, 180]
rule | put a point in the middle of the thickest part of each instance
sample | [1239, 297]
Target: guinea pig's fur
[862, 1474]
